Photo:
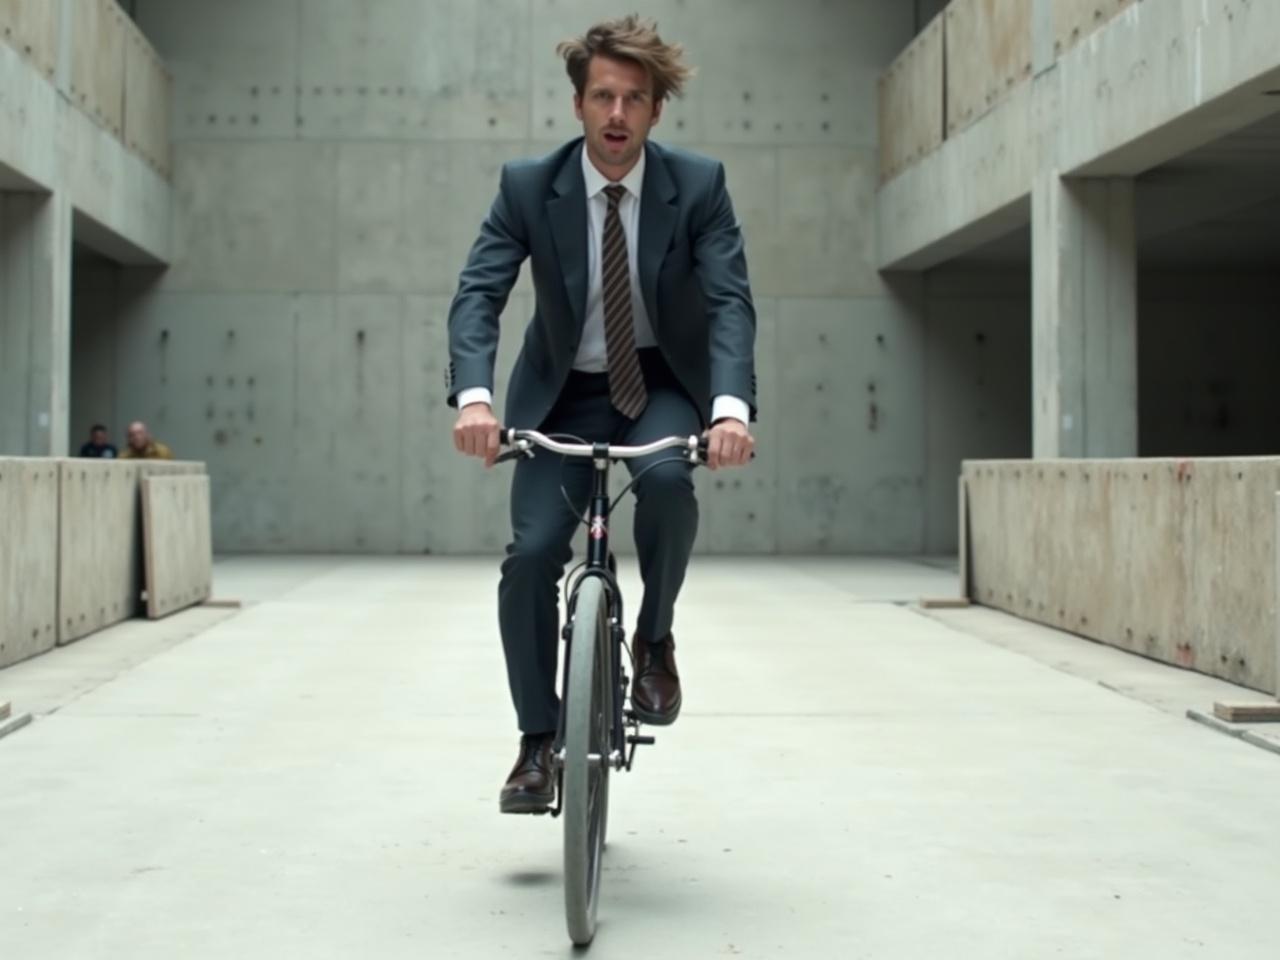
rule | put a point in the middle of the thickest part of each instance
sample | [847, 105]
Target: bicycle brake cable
[636, 479]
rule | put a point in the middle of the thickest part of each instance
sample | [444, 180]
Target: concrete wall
[33, 322]
[1208, 340]
[978, 380]
[83, 150]
[332, 164]
[1156, 79]
[95, 295]
[1208, 343]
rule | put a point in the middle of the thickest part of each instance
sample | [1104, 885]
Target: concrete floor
[316, 776]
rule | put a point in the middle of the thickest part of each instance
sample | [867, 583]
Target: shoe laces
[530, 744]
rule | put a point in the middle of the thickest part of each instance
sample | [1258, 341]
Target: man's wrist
[473, 395]
[727, 407]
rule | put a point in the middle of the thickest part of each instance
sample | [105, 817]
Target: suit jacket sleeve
[483, 287]
[721, 266]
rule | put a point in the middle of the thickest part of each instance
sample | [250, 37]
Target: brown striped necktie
[626, 382]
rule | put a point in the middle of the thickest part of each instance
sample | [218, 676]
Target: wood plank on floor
[1247, 712]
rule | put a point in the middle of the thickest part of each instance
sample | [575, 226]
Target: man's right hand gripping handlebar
[476, 433]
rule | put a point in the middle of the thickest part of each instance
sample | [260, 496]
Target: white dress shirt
[592, 356]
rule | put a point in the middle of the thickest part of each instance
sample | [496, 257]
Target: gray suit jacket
[693, 277]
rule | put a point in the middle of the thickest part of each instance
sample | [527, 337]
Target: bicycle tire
[588, 725]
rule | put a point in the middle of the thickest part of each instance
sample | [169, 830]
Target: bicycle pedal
[645, 741]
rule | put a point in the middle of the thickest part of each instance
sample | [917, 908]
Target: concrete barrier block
[100, 553]
[28, 558]
[1172, 559]
[178, 546]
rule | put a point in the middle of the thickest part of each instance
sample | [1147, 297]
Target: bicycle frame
[597, 565]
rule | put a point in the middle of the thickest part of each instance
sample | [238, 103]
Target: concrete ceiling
[1218, 204]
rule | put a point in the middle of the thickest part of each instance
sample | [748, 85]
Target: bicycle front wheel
[588, 723]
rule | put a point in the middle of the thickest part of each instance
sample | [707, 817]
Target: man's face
[617, 111]
[98, 438]
[138, 436]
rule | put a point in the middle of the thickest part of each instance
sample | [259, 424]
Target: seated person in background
[142, 446]
[98, 445]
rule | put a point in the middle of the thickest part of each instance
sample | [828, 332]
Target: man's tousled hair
[628, 38]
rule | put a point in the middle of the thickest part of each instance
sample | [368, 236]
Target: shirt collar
[596, 181]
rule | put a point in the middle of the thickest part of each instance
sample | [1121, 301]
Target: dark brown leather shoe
[655, 692]
[531, 785]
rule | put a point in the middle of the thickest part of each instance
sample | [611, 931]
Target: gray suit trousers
[544, 527]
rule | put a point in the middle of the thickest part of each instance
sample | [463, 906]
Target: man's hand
[476, 432]
[729, 444]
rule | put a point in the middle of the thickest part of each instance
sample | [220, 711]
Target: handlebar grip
[704, 444]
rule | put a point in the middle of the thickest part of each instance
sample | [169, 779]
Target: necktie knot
[615, 192]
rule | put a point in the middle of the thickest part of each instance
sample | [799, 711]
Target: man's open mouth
[615, 136]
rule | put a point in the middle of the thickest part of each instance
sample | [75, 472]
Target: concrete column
[1084, 318]
[35, 323]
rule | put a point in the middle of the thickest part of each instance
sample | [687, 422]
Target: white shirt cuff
[475, 395]
[732, 407]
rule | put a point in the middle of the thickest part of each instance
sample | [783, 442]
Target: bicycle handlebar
[693, 446]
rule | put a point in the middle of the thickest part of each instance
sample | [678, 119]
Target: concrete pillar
[35, 323]
[1084, 318]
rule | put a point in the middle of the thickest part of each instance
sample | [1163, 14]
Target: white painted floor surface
[316, 776]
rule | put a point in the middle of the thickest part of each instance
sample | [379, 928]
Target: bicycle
[595, 733]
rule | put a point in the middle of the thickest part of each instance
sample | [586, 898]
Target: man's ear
[577, 107]
[657, 113]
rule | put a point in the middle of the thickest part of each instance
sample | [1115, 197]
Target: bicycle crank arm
[636, 740]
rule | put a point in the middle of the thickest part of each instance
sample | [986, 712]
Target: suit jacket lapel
[567, 214]
[657, 222]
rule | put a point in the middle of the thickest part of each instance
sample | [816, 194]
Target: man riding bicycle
[643, 328]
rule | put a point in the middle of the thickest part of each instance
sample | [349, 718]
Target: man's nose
[617, 107]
